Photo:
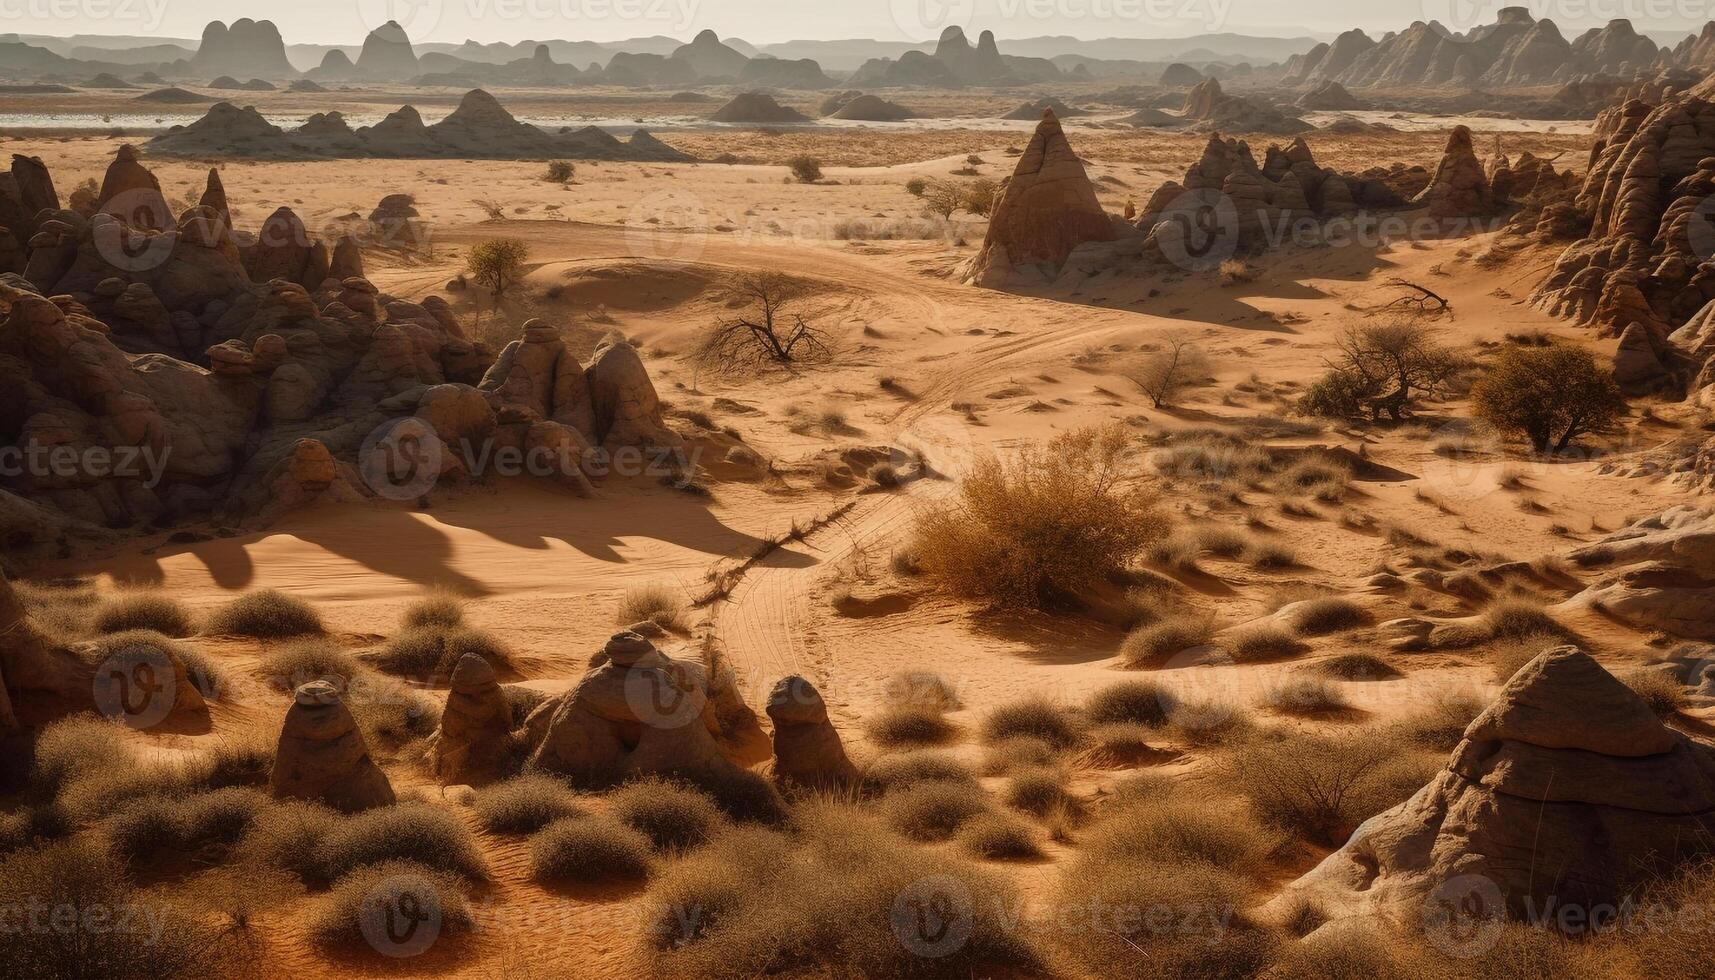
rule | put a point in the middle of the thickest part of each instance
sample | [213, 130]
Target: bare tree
[942, 198]
[1164, 373]
[1390, 362]
[770, 331]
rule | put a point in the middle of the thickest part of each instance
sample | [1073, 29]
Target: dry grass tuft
[1509, 655]
[1153, 645]
[1033, 717]
[922, 688]
[909, 726]
[1319, 788]
[143, 611]
[1040, 792]
[1357, 667]
[419, 832]
[429, 653]
[1311, 696]
[1328, 614]
[1515, 618]
[347, 916]
[295, 664]
[593, 850]
[1659, 689]
[933, 811]
[1440, 724]
[524, 804]
[999, 837]
[266, 614]
[1130, 702]
[904, 770]
[1263, 641]
[657, 603]
[675, 817]
[438, 608]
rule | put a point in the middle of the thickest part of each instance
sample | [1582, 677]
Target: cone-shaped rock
[1459, 188]
[807, 748]
[322, 755]
[1047, 208]
[132, 194]
[474, 743]
[214, 196]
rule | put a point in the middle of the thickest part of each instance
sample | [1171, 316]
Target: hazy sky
[762, 21]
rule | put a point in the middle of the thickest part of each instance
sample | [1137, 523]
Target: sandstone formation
[322, 756]
[955, 62]
[386, 55]
[1658, 573]
[871, 108]
[248, 48]
[1566, 790]
[757, 107]
[808, 753]
[1045, 210]
[1459, 188]
[228, 374]
[637, 712]
[796, 73]
[1180, 75]
[479, 128]
[709, 59]
[474, 743]
[1216, 111]
[1035, 108]
[1330, 96]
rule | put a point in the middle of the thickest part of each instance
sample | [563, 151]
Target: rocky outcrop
[479, 128]
[791, 73]
[131, 193]
[757, 107]
[1215, 111]
[387, 55]
[1330, 96]
[871, 108]
[627, 411]
[1180, 75]
[322, 756]
[248, 48]
[638, 712]
[1566, 791]
[1047, 208]
[1459, 188]
[474, 743]
[709, 59]
[1658, 573]
[808, 753]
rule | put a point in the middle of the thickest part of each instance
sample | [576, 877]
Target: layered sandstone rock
[1659, 573]
[474, 742]
[757, 107]
[1459, 189]
[1047, 208]
[322, 756]
[1566, 790]
[247, 47]
[808, 753]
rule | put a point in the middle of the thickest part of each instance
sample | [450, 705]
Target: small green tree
[497, 264]
[980, 196]
[1551, 395]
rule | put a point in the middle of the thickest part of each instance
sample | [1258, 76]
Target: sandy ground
[649, 251]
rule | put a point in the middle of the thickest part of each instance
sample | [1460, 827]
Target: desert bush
[199, 668]
[921, 688]
[391, 712]
[77, 746]
[1515, 619]
[1163, 374]
[144, 937]
[1222, 541]
[916, 186]
[1043, 530]
[1319, 787]
[933, 811]
[559, 171]
[657, 603]
[773, 329]
[1212, 721]
[497, 264]
[911, 725]
[1132, 702]
[1032, 717]
[1263, 641]
[288, 836]
[443, 609]
[369, 896]
[1328, 614]
[266, 614]
[419, 832]
[824, 902]
[293, 665]
[999, 837]
[1440, 724]
[1357, 667]
[1012, 754]
[906, 769]
[143, 611]
[1272, 555]
[979, 197]
[1039, 792]
[1659, 689]
[1507, 656]
[1152, 819]
[1119, 744]
[431, 652]
[1338, 394]
[674, 817]
[1550, 395]
[524, 804]
[184, 825]
[1307, 696]
[590, 850]
[1381, 368]
[1154, 644]
[1236, 271]
[805, 169]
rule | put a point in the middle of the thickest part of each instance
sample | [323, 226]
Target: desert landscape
[1229, 507]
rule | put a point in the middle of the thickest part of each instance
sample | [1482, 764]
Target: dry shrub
[438, 608]
[1357, 667]
[1328, 614]
[391, 712]
[143, 611]
[909, 725]
[675, 818]
[1320, 787]
[420, 832]
[187, 825]
[1033, 717]
[1152, 645]
[369, 896]
[59, 609]
[933, 811]
[1157, 820]
[431, 652]
[1307, 696]
[825, 901]
[77, 747]
[524, 804]
[199, 668]
[1222, 541]
[1018, 753]
[1212, 721]
[1039, 792]
[1515, 618]
[266, 614]
[1440, 724]
[657, 603]
[896, 772]
[999, 837]
[922, 688]
[143, 936]
[288, 836]
[32, 825]
[1274, 554]
[295, 664]
[1508, 656]
[1121, 744]
[1132, 702]
[1263, 641]
[590, 850]
[1659, 689]
[1043, 530]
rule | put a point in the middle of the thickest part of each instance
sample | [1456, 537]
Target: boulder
[626, 409]
[808, 753]
[474, 742]
[1660, 572]
[1566, 791]
[1637, 369]
[322, 756]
